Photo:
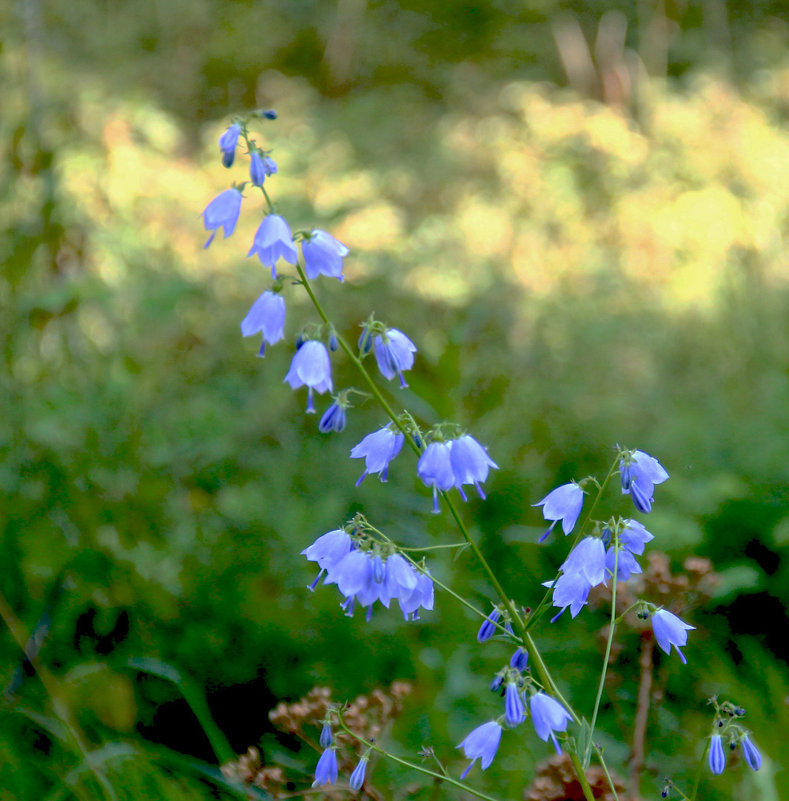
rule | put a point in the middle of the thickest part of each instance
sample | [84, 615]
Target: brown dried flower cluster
[658, 585]
[367, 716]
[556, 781]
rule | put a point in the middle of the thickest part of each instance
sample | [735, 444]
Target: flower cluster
[365, 572]
[726, 728]
[454, 463]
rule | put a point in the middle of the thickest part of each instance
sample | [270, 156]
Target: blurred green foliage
[576, 273]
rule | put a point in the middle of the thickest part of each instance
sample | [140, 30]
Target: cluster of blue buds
[366, 570]
[326, 771]
[726, 728]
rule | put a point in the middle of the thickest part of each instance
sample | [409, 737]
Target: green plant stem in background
[61, 710]
[609, 642]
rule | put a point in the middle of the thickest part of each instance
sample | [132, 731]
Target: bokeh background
[578, 212]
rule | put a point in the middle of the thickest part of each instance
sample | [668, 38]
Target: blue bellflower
[470, 463]
[357, 777]
[394, 353]
[717, 756]
[267, 315]
[311, 368]
[751, 753]
[323, 255]
[519, 659]
[564, 503]
[228, 142]
[435, 469]
[634, 537]
[260, 167]
[639, 479]
[488, 627]
[326, 738]
[327, 551]
[514, 713]
[326, 769]
[571, 589]
[548, 716]
[670, 630]
[482, 743]
[273, 241]
[422, 595]
[377, 450]
[222, 212]
[626, 563]
[333, 419]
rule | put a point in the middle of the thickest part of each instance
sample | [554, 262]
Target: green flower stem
[413, 766]
[349, 352]
[609, 642]
[516, 618]
[579, 770]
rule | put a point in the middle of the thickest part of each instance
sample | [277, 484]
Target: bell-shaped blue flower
[311, 368]
[571, 589]
[519, 659]
[421, 596]
[670, 630]
[435, 469]
[400, 579]
[357, 777]
[751, 753]
[470, 463]
[482, 743]
[564, 503]
[333, 418]
[228, 142]
[548, 716]
[267, 315]
[326, 769]
[325, 738]
[273, 241]
[488, 627]
[377, 450]
[222, 212]
[514, 713]
[587, 559]
[717, 756]
[394, 353]
[323, 255]
[329, 549]
[634, 536]
[626, 563]
[639, 476]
